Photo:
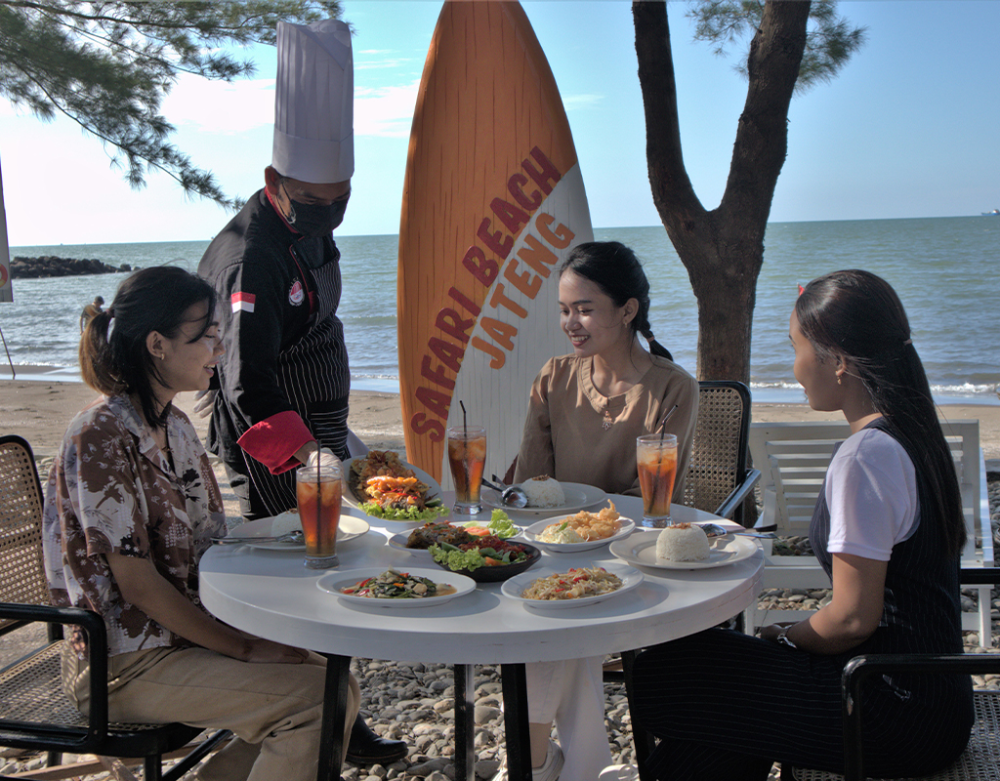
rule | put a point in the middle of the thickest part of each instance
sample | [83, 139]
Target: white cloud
[219, 106]
[385, 111]
[571, 102]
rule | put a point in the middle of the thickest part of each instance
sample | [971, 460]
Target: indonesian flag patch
[243, 302]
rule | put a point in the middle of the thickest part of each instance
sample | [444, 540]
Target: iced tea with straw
[656, 459]
[319, 491]
[467, 458]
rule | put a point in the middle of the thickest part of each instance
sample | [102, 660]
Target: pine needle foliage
[830, 39]
[109, 65]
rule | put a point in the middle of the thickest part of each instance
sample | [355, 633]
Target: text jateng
[525, 272]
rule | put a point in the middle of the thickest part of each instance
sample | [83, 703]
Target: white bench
[793, 459]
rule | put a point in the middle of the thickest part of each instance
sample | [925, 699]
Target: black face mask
[315, 220]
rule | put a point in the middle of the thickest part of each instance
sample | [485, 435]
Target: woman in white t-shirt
[889, 531]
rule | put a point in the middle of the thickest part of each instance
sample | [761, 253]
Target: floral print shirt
[111, 490]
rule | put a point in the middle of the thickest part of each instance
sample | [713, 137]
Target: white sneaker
[549, 771]
[619, 773]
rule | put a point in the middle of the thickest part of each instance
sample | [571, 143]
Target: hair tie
[647, 334]
[908, 341]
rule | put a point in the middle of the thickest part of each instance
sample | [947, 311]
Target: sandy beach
[39, 410]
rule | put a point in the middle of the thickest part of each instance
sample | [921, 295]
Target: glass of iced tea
[656, 458]
[467, 457]
[319, 493]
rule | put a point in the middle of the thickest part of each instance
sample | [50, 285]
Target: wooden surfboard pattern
[493, 202]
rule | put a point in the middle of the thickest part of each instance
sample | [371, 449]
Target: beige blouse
[576, 435]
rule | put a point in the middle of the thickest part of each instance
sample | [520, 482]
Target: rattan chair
[34, 711]
[981, 758]
[718, 480]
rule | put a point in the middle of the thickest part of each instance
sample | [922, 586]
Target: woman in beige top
[585, 413]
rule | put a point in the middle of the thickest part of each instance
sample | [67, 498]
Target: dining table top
[271, 594]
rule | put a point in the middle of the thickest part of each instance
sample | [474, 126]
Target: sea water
[944, 269]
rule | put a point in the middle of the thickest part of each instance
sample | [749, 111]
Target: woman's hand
[772, 631]
[260, 651]
[143, 586]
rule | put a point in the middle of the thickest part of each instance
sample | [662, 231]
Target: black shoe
[367, 748]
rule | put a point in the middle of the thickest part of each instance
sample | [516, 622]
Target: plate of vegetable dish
[382, 485]
[552, 589]
[486, 559]
[396, 588]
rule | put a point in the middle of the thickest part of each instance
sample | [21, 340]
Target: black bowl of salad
[486, 559]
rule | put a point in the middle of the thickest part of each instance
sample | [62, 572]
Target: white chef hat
[314, 102]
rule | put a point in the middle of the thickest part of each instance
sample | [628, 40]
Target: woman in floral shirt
[131, 505]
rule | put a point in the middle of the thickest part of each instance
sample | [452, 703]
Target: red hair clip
[801, 290]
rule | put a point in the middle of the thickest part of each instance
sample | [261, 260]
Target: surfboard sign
[493, 202]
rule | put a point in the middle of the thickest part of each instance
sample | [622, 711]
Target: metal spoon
[714, 530]
[511, 496]
[294, 537]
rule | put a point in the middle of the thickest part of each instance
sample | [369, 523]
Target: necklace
[609, 418]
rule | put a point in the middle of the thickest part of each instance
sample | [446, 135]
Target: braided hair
[616, 270]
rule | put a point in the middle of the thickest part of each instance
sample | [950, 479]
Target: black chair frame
[99, 737]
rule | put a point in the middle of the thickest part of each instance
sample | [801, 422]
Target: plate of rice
[548, 588]
[546, 496]
[681, 549]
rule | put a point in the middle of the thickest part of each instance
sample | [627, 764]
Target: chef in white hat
[284, 378]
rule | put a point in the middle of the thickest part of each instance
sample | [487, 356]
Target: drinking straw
[663, 423]
[663, 431]
[465, 446]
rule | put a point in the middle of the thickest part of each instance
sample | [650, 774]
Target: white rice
[683, 542]
[543, 491]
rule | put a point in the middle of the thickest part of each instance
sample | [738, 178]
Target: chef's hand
[206, 401]
[325, 457]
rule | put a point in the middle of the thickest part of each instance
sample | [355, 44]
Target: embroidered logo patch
[295, 294]
[243, 302]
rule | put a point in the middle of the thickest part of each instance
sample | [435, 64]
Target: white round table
[270, 594]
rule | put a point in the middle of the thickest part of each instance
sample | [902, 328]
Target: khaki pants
[275, 710]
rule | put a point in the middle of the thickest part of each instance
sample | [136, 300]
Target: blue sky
[908, 129]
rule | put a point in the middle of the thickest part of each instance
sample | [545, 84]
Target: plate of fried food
[579, 532]
[417, 541]
[553, 589]
[382, 485]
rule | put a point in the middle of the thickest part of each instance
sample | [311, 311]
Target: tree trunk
[722, 249]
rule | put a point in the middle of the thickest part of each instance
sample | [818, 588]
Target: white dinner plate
[349, 528]
[398, 541]
[433, 488]
[577, 495]
[640, 550]
[530, 535]
[333, 582]
[512, 588]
